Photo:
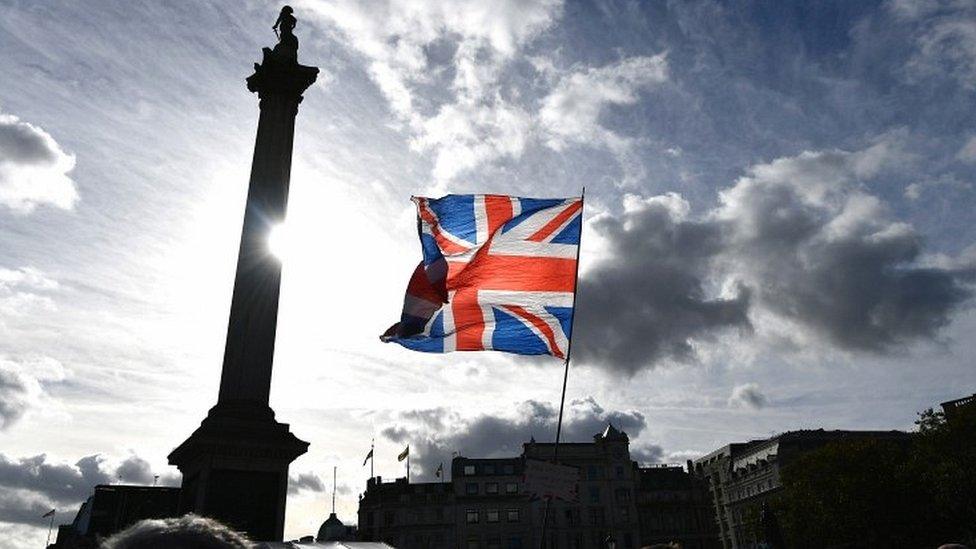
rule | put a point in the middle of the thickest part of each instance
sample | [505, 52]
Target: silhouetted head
[287, 9]
[186, 532]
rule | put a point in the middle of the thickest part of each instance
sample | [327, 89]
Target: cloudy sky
[779, 225]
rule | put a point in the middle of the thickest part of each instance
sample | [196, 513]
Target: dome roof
[332, 529]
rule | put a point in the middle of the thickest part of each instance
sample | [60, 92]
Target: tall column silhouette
[235, 465]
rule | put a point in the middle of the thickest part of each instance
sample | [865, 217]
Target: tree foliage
[920, 492]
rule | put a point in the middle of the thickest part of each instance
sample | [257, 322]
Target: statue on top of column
[286, 51]
[279, 71]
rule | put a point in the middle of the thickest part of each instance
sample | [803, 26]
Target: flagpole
[372, 448]
[334, 467]
[49, 528]
[569, 350]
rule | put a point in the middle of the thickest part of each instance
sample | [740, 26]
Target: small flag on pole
[49, 513]
[369, 456]
[440, 470]
[404, 454]
[498, 273]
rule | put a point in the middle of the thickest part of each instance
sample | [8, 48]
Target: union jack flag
[498, 273]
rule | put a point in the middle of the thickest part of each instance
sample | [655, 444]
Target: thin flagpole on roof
[569, 350]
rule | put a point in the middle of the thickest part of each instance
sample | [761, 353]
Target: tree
[917, 492]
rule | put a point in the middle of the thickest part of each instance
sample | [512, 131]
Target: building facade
[408, 515]
[743, 477]
[952, 408]
[674, 506]
[485, 505]
[112, 508]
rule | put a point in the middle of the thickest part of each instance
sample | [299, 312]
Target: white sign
[549, 480]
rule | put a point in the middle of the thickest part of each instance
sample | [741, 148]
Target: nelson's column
[235, 465]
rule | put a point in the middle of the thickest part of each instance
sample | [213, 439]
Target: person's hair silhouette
[186, 532]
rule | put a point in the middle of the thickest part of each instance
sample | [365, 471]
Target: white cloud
[25, 290]
[944, 41]
[22, 387]
[459, 47]
[571, 113]
[967, 153]
[946, 181]
[441, 65]
[33, 168]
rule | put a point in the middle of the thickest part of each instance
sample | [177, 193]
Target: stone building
[408, 515]
[953, 407]
[485, 505]
[492, 510]
[112, 508]
[674, 506]
[607, 506]
[743, 477]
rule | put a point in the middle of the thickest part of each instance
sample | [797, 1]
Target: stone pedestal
[235, 465]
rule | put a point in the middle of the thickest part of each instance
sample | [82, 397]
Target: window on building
[369, 518]
[488, 469]
[597, 516]
[594, 494]
[491, 515]
[471, 488]
[472, 543]
[591, 472]
[511, 488]
[628, 540]
[389, 518]
[619, 471]
[515, 542]
[438, 514]
[622, 495]
[491, 488]
[512, 515]
[625, 515]
[494, 543]
[573, 517]
[469, 470]
[471, 516]
[509, 469]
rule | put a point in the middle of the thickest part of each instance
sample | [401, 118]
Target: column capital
[275, 76]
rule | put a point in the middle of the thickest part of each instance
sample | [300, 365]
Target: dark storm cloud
[797, 238]
[650, 453]
[58, 481]
[496, 436]
[747, 396]
[23, 143]
[32, 483]
[821, 252]
[311, 482]
[305, 481]
[21, 508]
[648, 302]
[135, 470]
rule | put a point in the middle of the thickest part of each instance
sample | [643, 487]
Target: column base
[235, 469]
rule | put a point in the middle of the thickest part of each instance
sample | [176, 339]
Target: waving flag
[498, 273]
